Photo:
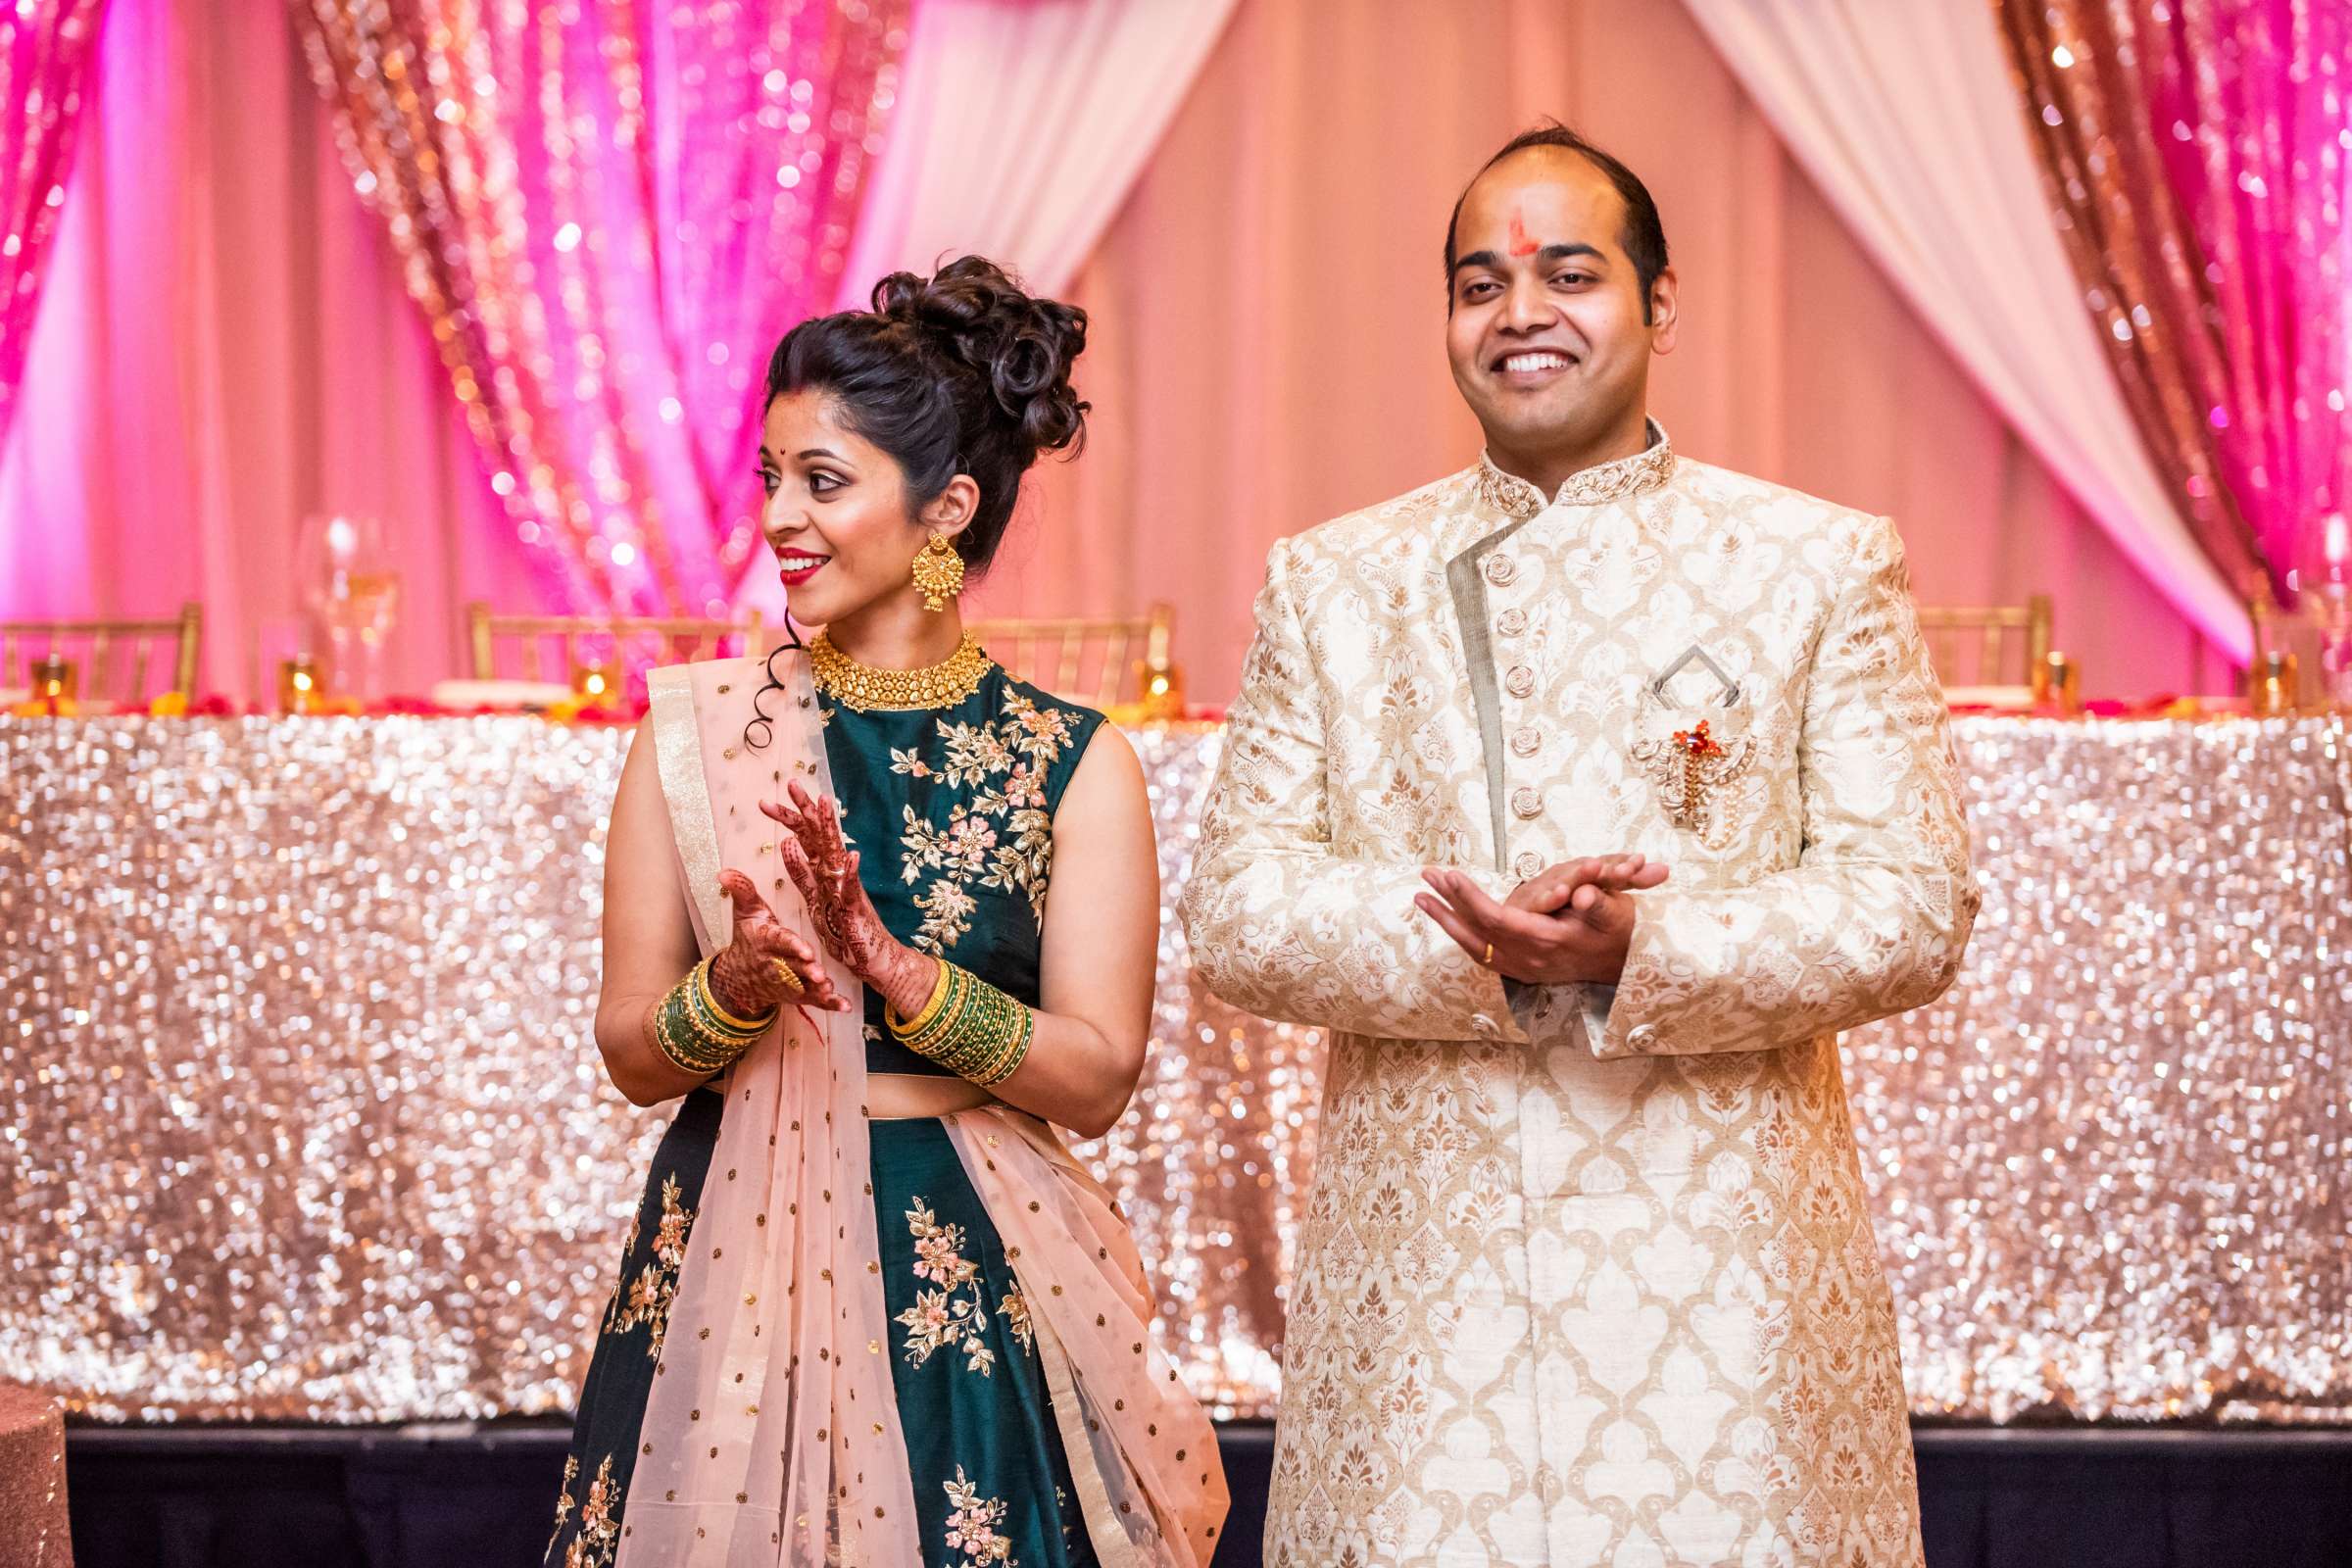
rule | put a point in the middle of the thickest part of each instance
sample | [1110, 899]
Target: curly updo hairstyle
[959, 372]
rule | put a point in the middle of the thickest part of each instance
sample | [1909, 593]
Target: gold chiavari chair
[1100, 662]
[2008, 644]
[102, 652]
[626, 642]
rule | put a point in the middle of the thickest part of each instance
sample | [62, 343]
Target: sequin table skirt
[301, 1120]
[32, 1480]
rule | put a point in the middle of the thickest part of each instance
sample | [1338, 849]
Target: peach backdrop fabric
[1267, 349]
[226, 350]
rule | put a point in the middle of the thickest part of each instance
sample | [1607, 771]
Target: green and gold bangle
[968, 1028]
[719, 1018]
[697, 1034]
[909, 1028]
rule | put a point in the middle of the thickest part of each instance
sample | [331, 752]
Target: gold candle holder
[2271, 685]
[2057, 683]
[55, 679]
[299, 687]
[1160, 682]
[1162, 692]
[595, 685]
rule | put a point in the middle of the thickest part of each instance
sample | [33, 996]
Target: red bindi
[1521, 245]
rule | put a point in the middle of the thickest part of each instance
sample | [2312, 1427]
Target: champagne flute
[345, 568]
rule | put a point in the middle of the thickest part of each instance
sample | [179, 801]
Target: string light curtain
[608, 210]
[2197, 153]
[45, 51]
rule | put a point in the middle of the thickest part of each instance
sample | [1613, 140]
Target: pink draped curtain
[2199, 155]
[1907, 118]
[180, 421]
[45, 51]
[605, 209]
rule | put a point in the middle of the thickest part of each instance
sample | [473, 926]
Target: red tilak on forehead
[1521, 245]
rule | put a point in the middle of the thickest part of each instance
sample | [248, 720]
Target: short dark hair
[963, 372]
[1643, 236]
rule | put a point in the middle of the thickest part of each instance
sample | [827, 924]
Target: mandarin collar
[1646, 469]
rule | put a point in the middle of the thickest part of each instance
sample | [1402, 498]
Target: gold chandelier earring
[938, 573]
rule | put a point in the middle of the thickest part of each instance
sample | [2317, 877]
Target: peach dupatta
[772, 1436]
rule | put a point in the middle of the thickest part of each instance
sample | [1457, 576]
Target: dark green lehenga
[971, 1390]
[964, 795]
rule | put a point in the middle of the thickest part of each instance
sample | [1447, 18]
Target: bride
[881, 917]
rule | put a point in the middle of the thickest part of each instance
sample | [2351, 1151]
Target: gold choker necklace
[862, 686]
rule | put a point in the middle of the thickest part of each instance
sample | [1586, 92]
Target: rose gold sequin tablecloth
[33, 1481]
[299, 1118]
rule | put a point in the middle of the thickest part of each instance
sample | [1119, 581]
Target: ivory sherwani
[1587, 1276]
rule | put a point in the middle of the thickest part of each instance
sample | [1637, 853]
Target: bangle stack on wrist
[968, 1028]
[696, 1033]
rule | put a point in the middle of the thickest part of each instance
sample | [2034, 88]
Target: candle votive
[2057, 682]
[594, 684]
[55, 679]
[298, 685]
[2271, 685]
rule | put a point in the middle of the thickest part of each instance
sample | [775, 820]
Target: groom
[1585, 796]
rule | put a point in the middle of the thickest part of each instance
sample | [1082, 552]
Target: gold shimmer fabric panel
[300, 1116]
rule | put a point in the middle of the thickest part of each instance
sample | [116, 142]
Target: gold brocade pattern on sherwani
[1586, 1276]
[1507, 495]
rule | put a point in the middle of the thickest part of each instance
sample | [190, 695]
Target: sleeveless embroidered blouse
[952, 812]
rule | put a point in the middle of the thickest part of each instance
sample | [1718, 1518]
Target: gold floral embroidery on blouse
[1002, 837]
[956, 1315]
[972, 1526]
[600, 1526]
[646, 1298]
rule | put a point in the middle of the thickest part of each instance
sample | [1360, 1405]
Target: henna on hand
[824, 868]
[744, 978]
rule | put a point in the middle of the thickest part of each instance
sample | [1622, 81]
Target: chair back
[1993, 651]
[625, 642]
[1097, 660]
[115, 660]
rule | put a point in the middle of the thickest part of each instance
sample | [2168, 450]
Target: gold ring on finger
[792, 980]
[1488, 962]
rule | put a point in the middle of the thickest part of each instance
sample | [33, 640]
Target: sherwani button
[1500, 569]
[1525, 740]
[1526, 802]
[1527, 865]
[1640, 1034]
[1482, 1023]
[1520, 681]
[1511, 623]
